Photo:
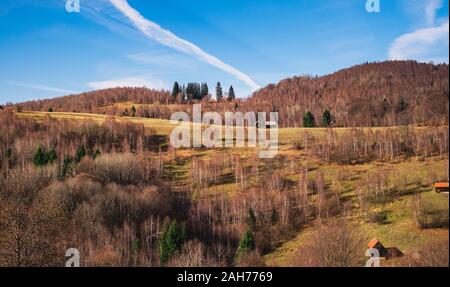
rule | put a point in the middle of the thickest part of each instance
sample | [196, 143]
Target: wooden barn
[441, 187]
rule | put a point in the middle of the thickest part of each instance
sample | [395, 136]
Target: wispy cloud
[426, 44]
[420, 44]
[169, 39]
[140, 81]
[40, 87]
[430, 10]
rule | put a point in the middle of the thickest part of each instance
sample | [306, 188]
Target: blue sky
[47, 52]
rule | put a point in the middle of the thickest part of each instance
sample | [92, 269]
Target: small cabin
[441, 187]
[387, 253]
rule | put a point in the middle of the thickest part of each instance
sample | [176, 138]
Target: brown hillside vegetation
[117, 191]
[372, 94]
[93, 101]
[376, 94]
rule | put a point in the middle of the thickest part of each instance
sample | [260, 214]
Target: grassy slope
[399, 229]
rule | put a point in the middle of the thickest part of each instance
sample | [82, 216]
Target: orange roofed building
[441, 187]
[387, 253]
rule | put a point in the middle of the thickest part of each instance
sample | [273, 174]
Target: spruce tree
[326, 118]
[219, 93]
[39, 157]
[274, 216]
[231, 94]
[251, 219]
[247, 243]
[67, 166]
[308, 120]
[204, 90]
[96, 154]
[81, 152]
[133, 111]
[50, 156]
[8, 152]
[175, 90]
[171, 240]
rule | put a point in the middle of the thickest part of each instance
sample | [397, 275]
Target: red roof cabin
[441, 187]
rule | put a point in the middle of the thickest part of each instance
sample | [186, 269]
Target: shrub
[335, 244]
[119, 168]
[431, 212]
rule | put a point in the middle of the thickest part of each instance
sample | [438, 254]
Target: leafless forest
[119, 193]
[375, 94]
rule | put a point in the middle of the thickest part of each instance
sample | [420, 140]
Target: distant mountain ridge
[371, 94]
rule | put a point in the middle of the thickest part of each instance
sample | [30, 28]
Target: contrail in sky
[169, 39]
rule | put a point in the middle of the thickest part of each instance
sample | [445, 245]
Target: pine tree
[50, 110]
[231, 94]
[133, 111]
[67, 166]
[39, 157]
[326, 118]
[96, 154]
[171, 240]
[219, 93]
[308, 120]
[183, 94]
[50, 156]
[274, 216]
[81, 152]
[251, 219]
[43, 157]
[8, 152]
[176, 90]
[193, 91]
[204, 90]
[247, 244]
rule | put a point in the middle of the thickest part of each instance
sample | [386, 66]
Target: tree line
[195, 91]
[389, 93]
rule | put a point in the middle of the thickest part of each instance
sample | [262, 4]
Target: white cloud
[421, 44]
[430, 10]
[129, 82]
[167, 38]
[41, 87]
[426, 44]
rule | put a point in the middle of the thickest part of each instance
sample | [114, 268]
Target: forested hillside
[372, 94]
[377, 94]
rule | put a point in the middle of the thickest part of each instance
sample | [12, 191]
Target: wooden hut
[441, 187]
[387, 253]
